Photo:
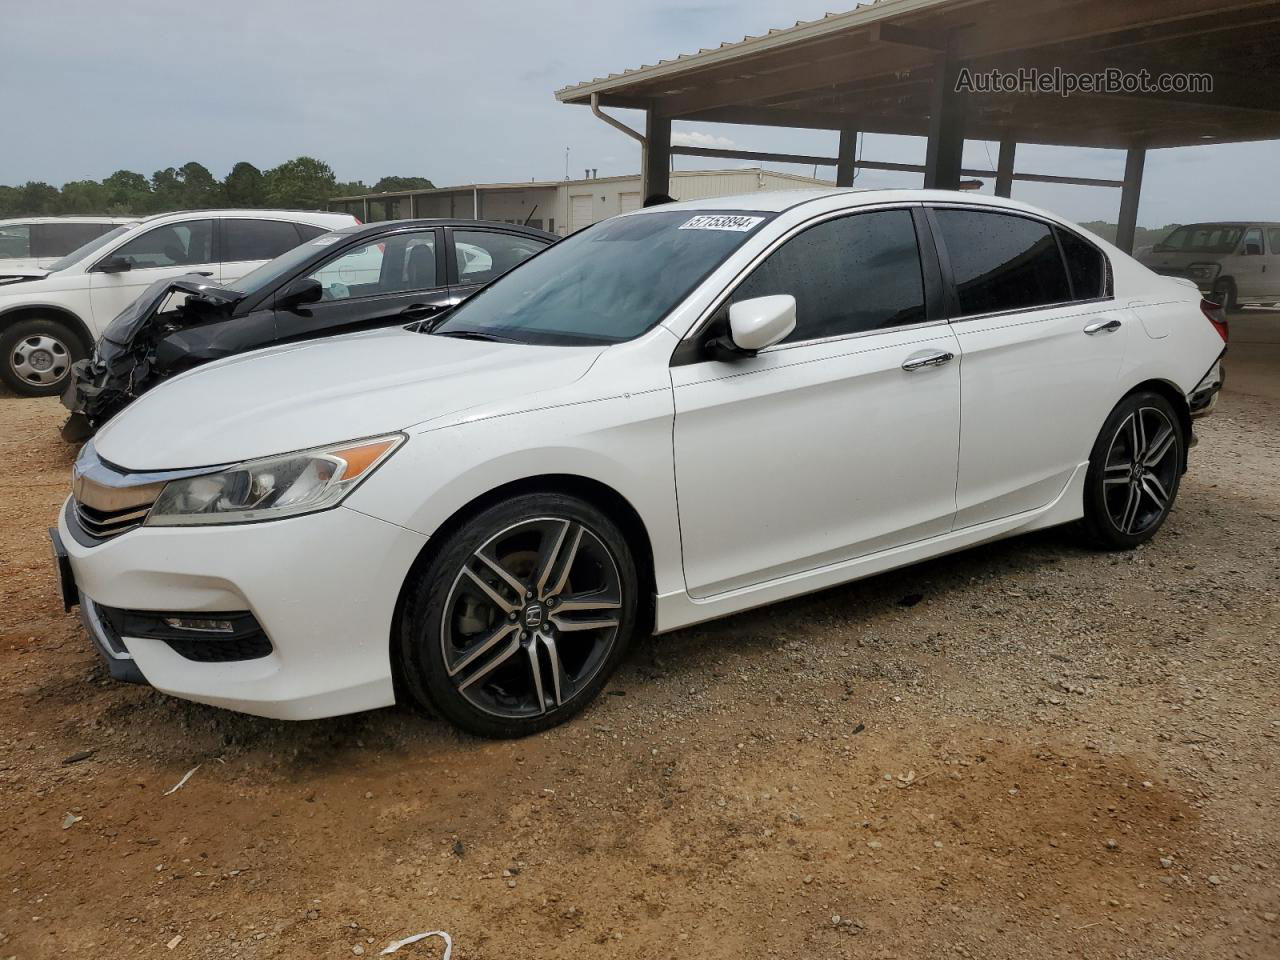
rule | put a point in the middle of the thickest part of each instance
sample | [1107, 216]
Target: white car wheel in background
[37, 355]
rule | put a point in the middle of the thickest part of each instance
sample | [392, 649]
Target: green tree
[38, 199]
[301, 184]
[198, 189]
[85, 197]
[127, 192]
[9, 197]
[396, 184]
[245, 186]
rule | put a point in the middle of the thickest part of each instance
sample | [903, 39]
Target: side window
[1253, 242]
[395, 264]
[1002, 262]
[1086, 265]
[857, 273]
[59, 239]
[1274, 236]
[173, 245]
[256, 239]
[308, 231]
[483, 256]
[15, 240]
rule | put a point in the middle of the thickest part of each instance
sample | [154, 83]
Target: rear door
[245, 244]
[1272, 267]
[160, 253]
[478, 256]
[387, 280]
[1041, 346]
[1251, 265]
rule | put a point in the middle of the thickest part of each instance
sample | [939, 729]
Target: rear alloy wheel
[1134, 472]
[37, 357]
[521, 617]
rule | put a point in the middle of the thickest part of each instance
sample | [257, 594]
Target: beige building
[561, 206]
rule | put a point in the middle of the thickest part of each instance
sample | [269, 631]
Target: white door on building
[580, 212]
[629, 201]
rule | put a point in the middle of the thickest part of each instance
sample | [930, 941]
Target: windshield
[605, 284]
[79, 253]
[272, 271]
[1203, 238]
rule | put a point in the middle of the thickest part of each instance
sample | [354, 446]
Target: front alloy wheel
[521, 616]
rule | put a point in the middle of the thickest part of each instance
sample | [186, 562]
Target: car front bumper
[322, 587]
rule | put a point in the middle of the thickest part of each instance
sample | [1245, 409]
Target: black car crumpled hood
[124, 328]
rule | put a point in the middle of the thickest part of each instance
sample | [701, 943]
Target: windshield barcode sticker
[723, 222]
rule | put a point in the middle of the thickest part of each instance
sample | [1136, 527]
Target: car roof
[777, 201]
[67, 218]
[1231, 223]
[382, 226]
[318, 217]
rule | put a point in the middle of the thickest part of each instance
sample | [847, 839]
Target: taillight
[1216, 314]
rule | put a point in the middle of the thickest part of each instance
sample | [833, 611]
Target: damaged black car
[393, 272]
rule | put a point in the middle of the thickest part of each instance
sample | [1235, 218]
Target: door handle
[920, 361]
[1103, 326]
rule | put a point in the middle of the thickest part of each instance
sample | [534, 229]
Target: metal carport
[892, 67]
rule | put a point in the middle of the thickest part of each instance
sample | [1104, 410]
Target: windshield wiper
[472, 335]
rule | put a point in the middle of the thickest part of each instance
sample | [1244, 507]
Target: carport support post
[656, 166]
[847, 157]
[943, 159]
[1134, 165]
[1004, 168]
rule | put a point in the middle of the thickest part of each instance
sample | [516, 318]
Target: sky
[460, 93]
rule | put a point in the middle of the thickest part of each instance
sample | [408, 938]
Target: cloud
[696, 138]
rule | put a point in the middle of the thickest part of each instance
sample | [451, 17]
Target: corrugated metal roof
[862, 15]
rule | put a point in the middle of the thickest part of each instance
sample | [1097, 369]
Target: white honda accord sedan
[673, 415]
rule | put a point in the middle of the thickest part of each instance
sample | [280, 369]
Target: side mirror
[306, 290]
[1253, 249]
[113, 265]
[761, 322]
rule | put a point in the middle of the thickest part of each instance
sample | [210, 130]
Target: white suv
[32, 243]
[50, 318]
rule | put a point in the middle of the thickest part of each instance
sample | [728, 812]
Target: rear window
[1002, 262]
[1218, 238]
[1086, 265]
[15, 240]
[256, 239]
[59, 239]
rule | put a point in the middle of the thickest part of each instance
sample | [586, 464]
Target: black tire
[451, 623]
[1135, 470]
[1224, 292]
[36, 356]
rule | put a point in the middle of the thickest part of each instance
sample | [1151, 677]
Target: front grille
[246, 639]
[105, 524]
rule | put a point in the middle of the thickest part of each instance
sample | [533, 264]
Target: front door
[1042, 347]
[394, 279]
[162, 253]
[837, 443]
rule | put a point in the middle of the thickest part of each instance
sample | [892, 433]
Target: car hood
[10, 274]
[326, 391]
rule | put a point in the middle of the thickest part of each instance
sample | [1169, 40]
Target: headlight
[274, 487]
[1205, 271]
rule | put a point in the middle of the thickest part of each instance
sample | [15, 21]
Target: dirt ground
[1023, 751]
